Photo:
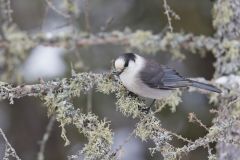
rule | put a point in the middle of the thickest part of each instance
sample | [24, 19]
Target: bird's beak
[117, 73]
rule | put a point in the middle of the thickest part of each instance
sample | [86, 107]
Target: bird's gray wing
[162, 77]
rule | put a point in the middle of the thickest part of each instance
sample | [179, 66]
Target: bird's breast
[134, 84]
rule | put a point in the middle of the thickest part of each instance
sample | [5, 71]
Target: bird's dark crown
[128, 57]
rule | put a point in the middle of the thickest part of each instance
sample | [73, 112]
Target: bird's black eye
[126, 64]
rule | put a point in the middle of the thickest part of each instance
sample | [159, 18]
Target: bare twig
[6, 11]
[86, 15]
[9, 150]
[179, 136]
[124, 143]
[211, 156]
[193, 118]
[160, 108]
[107, 24]
[89, 100]
[54, 8]
[45, 138]
[169, 13]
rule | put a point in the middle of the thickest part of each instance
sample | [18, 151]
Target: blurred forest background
[25, 121]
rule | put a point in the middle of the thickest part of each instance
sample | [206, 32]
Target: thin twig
[89, 100]
[86, 16]
[6, 11]
[193, 118]
[9, 11]
[107, 24]
[210, 154]
[45, 138]
[169, 13]
[54, 8]
[160, 108]
[124, 143]
[10, 151]
[178, 136]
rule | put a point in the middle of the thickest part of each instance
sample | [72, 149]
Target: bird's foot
[144, 110]
[131, 94]
[152, 103]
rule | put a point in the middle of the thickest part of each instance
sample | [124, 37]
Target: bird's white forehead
[119, 63]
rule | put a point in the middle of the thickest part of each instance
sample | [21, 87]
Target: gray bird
[149, 79]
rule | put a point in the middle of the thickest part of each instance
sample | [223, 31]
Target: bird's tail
[205, 86]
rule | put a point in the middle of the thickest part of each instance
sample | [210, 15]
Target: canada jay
[147, 78]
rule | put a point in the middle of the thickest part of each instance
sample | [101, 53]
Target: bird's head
[124, 62]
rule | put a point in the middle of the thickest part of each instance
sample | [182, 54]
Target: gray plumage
[163, 77]
[149, 79]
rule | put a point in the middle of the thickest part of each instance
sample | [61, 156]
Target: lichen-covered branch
[19, 43]
[145, 41]
[5, 11]
[56, 96]
[226, 20]
[16, 44]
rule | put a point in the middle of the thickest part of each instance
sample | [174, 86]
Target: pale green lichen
[171, 101]
[6, 12]
[230, 60]
[108, 85]
[148, 43]
[214, 130]
[129, 106]
[149, 128]
[61, 109]
[222, 15]
[213, 99]
[17, 50]
[141, 129]
[212, 157]
[236, 109]
[81, 83]
[97, 132]
[70, 7]
[145, 41]
[58, 96]
[232, 47]
[99, 136]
